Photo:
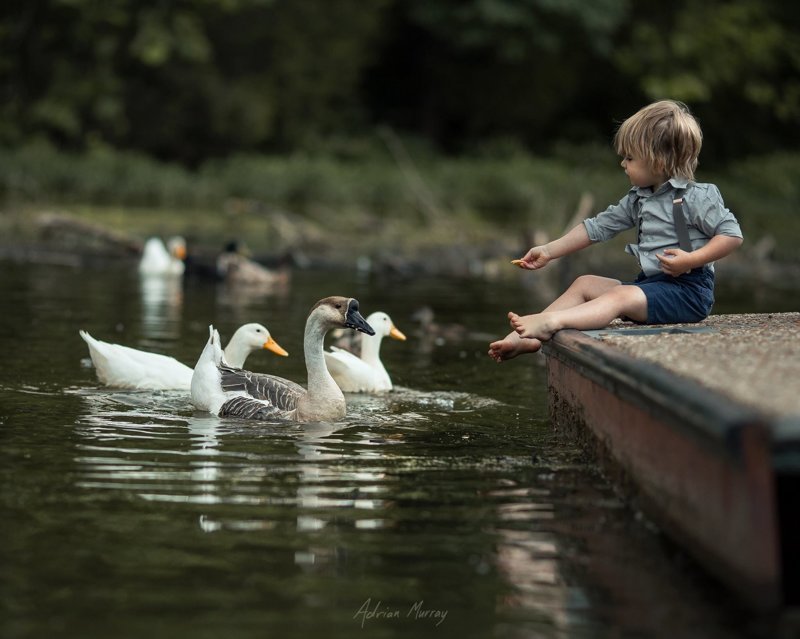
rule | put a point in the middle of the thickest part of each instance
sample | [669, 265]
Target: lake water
[447, 508]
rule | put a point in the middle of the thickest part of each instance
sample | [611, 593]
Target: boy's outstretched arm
[539, 256]
[675, 261]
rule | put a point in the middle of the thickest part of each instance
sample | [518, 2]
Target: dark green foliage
[190, 80]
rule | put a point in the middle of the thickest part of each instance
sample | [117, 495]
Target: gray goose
[232, 392]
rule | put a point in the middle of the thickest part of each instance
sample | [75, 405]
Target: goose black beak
[353, 319]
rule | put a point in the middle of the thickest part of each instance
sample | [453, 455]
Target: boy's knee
[629, 298]
[590, 286]
[585, 282]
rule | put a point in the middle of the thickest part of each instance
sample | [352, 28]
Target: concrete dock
[700, 425]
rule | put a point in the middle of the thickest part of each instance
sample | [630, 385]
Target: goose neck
[313, 346]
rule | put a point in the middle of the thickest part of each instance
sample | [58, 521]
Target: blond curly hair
[665, 136]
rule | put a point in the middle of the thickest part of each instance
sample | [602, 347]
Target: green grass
[368, 199]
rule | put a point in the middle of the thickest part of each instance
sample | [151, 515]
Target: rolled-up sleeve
[616, 218]
[708, 213]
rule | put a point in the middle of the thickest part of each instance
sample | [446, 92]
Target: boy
[682, 228]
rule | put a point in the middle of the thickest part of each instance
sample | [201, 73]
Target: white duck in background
[123, 367]
[232, 392]
[158, 259]
[364, 374]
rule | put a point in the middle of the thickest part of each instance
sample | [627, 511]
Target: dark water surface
[446, 509]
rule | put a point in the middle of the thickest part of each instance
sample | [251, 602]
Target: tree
[461, 71]
[183, 79]
[736, 63]
[191, 79]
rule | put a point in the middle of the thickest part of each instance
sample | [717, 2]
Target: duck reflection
[162, 305]
[301, 478]
[204, 434]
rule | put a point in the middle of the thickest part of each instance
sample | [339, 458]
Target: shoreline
[447, 249]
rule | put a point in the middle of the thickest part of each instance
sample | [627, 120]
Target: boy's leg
[583, 289]
[597, 313]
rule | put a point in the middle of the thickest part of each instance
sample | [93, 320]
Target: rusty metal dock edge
[700, 466]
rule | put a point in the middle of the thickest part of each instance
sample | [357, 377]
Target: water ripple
[154, 445]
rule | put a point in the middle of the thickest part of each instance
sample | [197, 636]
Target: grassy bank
[376, 199]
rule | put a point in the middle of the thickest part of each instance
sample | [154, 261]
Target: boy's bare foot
[538, 326]
[511, 346]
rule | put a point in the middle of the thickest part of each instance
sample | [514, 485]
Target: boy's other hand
[537, 257]
[675, 262]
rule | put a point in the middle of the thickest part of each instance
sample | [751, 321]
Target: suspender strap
[680, 221]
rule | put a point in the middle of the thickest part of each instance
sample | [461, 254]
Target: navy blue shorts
[684, 299]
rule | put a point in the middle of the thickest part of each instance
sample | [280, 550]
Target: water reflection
[244, 295]
[134, 503]
[321, 474]
[162, 305]
[204, 436]
[319, 456]
[530, 561]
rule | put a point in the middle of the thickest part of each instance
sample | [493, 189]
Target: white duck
[123, 367]
[364, 374]
[232, 392]
[158, 259]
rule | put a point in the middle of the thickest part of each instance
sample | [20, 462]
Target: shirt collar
[674, 183]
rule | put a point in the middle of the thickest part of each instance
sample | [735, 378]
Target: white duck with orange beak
[365, 374]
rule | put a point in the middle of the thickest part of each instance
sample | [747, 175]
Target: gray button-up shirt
[705, 212]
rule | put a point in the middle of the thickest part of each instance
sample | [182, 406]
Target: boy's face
[640, 174]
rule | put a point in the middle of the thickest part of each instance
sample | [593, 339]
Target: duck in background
[359, 369]
[234, 266]
[123, 367]
[158, 259]
[436, 332]
[231, 392]
[432, 333]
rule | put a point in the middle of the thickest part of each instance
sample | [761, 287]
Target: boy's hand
[537, 257]
[675, 262]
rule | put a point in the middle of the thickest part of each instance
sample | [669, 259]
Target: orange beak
[396, 334]
[272, 345]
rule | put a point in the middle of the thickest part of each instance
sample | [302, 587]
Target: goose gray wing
[249, 408]
[276, 391]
